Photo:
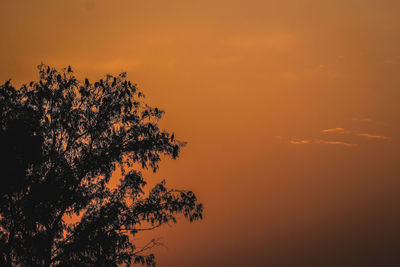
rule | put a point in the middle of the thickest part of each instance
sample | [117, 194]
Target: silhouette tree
[61, 140]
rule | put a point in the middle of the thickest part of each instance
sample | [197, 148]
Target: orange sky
[291, 110]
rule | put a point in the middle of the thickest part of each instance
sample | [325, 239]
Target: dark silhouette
[61, 139]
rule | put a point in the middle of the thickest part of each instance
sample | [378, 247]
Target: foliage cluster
[61, 140]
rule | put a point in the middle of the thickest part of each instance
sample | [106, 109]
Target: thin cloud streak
[321, 142]
[325, 142]
[333, 130]
[337, 130]
[374, 136]
[343, 131]
[300, 142]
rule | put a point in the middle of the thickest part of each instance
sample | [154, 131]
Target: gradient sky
[290, 109]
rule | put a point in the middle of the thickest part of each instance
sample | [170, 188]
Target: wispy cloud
[338, 131]
[325, 142]
[300, 142]
[333, 130]
[374, 136]
[321, 142]
[343, 131]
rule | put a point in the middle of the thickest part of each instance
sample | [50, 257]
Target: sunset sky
[291, 111]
